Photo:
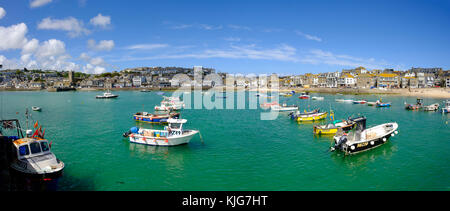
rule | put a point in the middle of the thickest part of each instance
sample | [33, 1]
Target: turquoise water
[239, 151]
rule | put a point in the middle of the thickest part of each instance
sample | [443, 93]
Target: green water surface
[239, 150]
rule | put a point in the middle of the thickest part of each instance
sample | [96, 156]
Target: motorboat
[284, 107]
[446, 108]
[417, 106]
[383, 104]
[334, 127]
[361, 139]
[154, 118]
[145, 90]
[317, 98]
[172, 135]
[31, 155]
[35, 108]
[107, 95]
[359, 102]
[174, 101]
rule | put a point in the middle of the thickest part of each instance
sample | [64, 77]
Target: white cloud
[281, 53]
[103, 45]
[100, 20]
[146, 46]
[318, 56]
[196, 25]
[2, 12]
[92, 69]
[30, 47]
[232, 39]
[238, 27]
[308, 36]
[39, 3]
[73, 26]
[13, 37]
[51, 48]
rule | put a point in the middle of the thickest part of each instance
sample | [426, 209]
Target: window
[35, 148]
[44, 146]
[24, 150]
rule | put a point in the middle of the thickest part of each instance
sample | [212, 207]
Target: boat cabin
[175, 126]
[360, 123]
[29, 147]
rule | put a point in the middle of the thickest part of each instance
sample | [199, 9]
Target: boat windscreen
[35, 148]
[44, 146]
[24, 150]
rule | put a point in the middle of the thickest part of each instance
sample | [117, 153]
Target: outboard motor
[339, 143]
[132, 130]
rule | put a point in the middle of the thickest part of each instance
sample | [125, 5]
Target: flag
[36, 124]
[43, 134]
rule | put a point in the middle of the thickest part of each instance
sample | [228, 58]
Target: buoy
[392, 135]
[384, 139]
[396, 132]
[352, 147]
[372, 143]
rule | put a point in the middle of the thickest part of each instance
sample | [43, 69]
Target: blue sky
[286, 37]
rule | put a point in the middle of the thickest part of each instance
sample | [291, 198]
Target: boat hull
[162, 141]
[109, 97]
[314, 117]
[20, 170]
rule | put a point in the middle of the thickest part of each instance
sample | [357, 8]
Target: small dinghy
[362, 139]
[284, 107]
[308, 116]
[35, 108]
[172, 135]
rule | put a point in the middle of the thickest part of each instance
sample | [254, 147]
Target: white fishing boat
[173, 101]
[284, 107]
[31, 156]
[362, 139]
[172, 135]
[317, 98]
[107, 95]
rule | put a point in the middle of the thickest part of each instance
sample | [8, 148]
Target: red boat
[304, 95]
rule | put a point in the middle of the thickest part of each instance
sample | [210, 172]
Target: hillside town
[175, 77]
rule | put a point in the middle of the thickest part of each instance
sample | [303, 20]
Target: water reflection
[384, 151]
[13, 182]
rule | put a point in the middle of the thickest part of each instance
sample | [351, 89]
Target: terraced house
[389, 80]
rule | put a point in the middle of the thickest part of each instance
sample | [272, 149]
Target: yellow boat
[312, 117]
[333, 128]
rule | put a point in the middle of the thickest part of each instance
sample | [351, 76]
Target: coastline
[417, 92]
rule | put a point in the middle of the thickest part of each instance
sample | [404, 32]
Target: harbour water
[239, 150]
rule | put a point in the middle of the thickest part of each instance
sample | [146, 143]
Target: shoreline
[417, 92]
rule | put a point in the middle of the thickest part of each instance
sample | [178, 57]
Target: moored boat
[172, 135]
[317, 98]
[417, 106]
[35, 108]
[371, 103]
[334, 127]
[304, 95]
[359, 101]
[107, 95]
[31, 156]
[432, 107]
[268, 105]
[154, 118]
[284, 107]
[361, 139]
[446, 108]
